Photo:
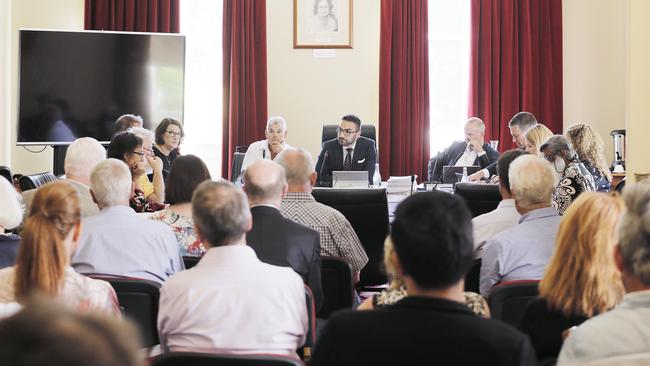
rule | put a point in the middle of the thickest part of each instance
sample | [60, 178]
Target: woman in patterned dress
[573, 176]
[49, 239]
[186, 173]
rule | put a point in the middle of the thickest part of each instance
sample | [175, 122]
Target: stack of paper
[400, 184]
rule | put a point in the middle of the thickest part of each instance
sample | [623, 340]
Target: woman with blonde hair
[535, 137]
[589, 146]
[49, 239]
[581, 279]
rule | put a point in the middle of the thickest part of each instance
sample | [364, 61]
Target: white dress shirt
[494, 222]
[258, 150]
[624, 330]
[469, 156]
[231, 302]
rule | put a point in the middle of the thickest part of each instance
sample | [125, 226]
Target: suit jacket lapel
[336, 155]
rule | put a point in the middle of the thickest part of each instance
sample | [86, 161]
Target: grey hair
[532, 181]
[558, 143]
[277, 119]
[478, 122]
[297, 170]
[220, 212]
[142, 133]
[82, 156]
[634, 231]
[111, 183]
[11, 212]
[523, 120]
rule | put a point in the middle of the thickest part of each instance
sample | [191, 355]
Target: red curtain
[132, 15]
[404, 88]
[516, 64]
[244, 76]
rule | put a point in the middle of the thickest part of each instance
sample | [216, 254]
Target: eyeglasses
[171, 133]
[138, 153]
[549, 158]
[346, 132]
[149, 151]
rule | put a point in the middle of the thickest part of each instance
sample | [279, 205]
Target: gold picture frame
[322, 23]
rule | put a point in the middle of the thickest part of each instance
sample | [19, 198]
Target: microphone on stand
[264, 154]
[320, 171]
[412, 181]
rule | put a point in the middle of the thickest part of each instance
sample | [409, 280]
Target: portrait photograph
[322, 23]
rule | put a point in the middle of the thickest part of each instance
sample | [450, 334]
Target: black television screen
[75, 84]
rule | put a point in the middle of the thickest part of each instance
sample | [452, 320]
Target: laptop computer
[349, 179]
[449, 172]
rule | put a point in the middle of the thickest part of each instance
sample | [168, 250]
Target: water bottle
[465, 178]
[376, 178]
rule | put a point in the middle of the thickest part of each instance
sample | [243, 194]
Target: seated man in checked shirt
[337, 238]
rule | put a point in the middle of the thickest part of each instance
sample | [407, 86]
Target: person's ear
[618, 259]
[285, 189]
[92, 194]
[397, 264]
[312, 178]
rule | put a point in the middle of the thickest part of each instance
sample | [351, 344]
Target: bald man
[275, 239]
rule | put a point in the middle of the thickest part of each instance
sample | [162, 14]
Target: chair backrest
[329, 132]
[139, 301]
[620, 185]
[237, 161]
[310, 340]
[211, 359]
[473, 276]
[34, 181]
[190, 261]
[508, 300]
[338, 290]
[367, 212]
[6, 173]
[480, 198]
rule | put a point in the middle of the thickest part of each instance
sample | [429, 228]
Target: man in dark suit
[275, 239]
[349, 151]
[473, 151]
[432, 237]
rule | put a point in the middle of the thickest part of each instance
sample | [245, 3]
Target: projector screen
[75, 84]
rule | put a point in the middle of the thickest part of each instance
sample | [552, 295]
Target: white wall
[595, 65]
[309, 92]
[16, 14]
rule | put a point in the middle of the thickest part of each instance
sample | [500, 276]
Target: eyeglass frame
[171, 133]
[142, 155]
[346, 132]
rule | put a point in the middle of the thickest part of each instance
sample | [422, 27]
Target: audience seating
[34, 181]
[336, 276]
[241, 149]
[480, 198]
[237, 161]
[190, 261]
[473, 276]
[508, 300]
[6, 173]
[367, 212]
[329, 132]
[139, 300]
[210, 359]
[620, 185]
[310, 339]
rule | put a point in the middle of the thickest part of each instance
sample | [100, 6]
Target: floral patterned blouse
[183, 228]
[78, 291]
[575, 180]
[140, 204]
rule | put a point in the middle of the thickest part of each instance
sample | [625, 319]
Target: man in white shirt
[505, 215]
[625, 330]
[275, 133]
[231, 302]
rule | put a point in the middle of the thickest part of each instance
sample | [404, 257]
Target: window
[201, 23]
[449, 53]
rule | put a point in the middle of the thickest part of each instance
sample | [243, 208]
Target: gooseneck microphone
[264, 154]
[412, 181]
[320, 171]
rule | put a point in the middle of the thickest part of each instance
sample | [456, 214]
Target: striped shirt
[337, 237]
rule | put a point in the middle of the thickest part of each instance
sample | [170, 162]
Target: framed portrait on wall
[322, 23]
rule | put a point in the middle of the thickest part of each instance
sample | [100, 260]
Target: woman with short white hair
[11, 214]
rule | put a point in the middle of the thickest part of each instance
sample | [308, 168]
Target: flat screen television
[76, 84]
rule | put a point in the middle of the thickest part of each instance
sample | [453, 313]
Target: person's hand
[476, 176]
[494, 180]
[476, 145]
[276, 148]
[155, 163]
